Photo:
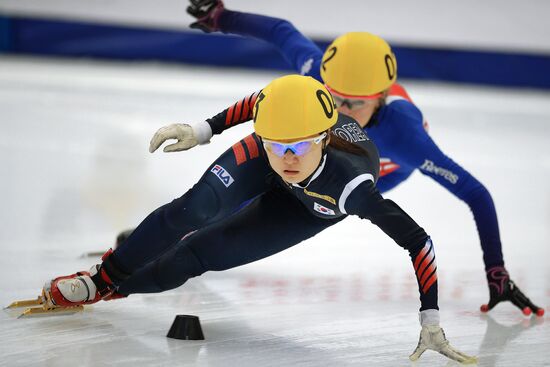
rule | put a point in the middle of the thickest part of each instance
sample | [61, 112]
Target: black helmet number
[261, 97]
[390, 66]
[331, 50]
[326, 102]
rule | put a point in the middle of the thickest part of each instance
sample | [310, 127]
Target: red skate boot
[68, 294]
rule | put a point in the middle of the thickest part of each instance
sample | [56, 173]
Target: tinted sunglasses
[298, 147]
[351, 102]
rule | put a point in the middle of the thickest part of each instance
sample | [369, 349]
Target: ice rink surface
[76, 170]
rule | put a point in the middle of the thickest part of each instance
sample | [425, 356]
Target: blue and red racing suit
[398, 129]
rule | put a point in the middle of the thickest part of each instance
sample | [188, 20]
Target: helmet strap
[324, 142]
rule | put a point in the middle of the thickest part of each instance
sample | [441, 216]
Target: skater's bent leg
[272, 223]
[159, 276]
[164, 227]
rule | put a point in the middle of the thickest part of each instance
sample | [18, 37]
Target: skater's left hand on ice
[502, 288]
[432, 337]
[187, 136]
[207, 13]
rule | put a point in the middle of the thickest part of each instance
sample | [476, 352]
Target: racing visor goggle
[300, 147]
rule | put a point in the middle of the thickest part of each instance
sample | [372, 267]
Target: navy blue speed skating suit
[203, 230]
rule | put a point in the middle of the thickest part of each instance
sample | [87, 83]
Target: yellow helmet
[358, 64]
[293, 107]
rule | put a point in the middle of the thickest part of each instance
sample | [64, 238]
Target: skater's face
[360, 109]
[295, 160]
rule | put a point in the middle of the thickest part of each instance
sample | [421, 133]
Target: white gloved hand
[432, 337]
[187, 136]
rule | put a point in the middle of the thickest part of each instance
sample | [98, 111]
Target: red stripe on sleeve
[427, 273]
[425, 263]
[429, 283]
[420, 257]
[237, 115]
[252, 147]
[245, 109]
[229, 116]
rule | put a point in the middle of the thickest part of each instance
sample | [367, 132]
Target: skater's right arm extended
[190, 135]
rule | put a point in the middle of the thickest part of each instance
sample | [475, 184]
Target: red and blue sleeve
[300, 51]
[421, 152]
[304, 55]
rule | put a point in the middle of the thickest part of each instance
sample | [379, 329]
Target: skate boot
[68, 294]
[84, 288]
[73, 290]
[62, 295]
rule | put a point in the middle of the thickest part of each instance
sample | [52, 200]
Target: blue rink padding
[80, 39]
[5, 34]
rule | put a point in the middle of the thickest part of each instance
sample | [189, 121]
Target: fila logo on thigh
[223, 175]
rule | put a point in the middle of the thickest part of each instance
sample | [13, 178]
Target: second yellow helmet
[359, 64]
[293, 107]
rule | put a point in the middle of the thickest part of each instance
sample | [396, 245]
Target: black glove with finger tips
[207, 13]
[502, 288]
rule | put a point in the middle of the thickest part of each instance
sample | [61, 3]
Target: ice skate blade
[470, 361]
[25, 303]
[44, 311]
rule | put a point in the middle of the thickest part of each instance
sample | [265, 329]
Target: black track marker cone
[186, 327]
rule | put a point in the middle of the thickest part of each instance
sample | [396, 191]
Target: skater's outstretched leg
[221, 191]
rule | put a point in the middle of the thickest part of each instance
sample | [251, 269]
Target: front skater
[318, 179]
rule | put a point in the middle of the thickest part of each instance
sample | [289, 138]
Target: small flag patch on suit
[323, 209]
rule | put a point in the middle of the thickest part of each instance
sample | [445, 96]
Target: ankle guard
[108, 275]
